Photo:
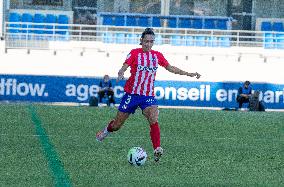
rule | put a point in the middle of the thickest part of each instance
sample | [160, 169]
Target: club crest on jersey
[146, 68]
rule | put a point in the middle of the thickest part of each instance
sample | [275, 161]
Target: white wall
[107, 59]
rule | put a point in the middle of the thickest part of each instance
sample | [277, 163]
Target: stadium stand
[173, 21]
[26, 18]
[15, 27]
[143, 21]
[50, 19]
[43, 23]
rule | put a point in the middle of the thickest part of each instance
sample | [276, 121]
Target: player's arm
[121, 72]
[176, 70]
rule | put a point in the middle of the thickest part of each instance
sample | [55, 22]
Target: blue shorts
[130, 102]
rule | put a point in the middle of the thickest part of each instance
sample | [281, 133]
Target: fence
[38, 36]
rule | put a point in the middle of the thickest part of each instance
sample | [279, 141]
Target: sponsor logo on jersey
[147, 68]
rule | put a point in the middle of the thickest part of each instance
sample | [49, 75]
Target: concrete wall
[108, 58]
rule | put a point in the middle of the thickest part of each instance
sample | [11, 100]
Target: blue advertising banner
[169, 93]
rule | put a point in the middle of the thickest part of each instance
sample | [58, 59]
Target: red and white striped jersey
[143, 70]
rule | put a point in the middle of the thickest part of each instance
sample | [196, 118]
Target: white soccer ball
[137, 156]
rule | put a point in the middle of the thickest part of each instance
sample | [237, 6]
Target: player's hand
[197, 75]
[120, 77]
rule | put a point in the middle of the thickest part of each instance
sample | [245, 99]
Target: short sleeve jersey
[144, 66]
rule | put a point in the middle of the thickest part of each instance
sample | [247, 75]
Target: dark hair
[147, 31]
[247, 83]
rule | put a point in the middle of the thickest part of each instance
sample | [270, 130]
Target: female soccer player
[139, 89]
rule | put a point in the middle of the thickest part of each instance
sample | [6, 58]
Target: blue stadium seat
[224, 41]
[268, 40]
[197, 23]
[200, 41]
[132, 38]
[184, 23]
[278, 26]
[189, 41]
[62, 19]
[266, 26]
[108, 20]
[39, 18]
[280, 41]
[131, 21]
[156, 22]
[108, 38]
[50, 18]
[212, 41]
[119, 21]
[14, 17]
[172, 22]
[280, 44]
[158, 39]
[120, 38]
[26, 18]
[209, 24]
[176, 40]
[143, 21]
[222, 24]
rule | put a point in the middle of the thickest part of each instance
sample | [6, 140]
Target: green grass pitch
[55, 146]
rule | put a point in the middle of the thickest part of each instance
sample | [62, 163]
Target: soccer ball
[137, 156]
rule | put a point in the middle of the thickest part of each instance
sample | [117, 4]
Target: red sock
[109, 127]
[155, 135]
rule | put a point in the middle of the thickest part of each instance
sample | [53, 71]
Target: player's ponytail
[147, 31]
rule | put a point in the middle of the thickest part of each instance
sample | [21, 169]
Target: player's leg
[113, 125]
[110, 94]
[151, 113]
[241, 101]
[127, 106]
[101, 95]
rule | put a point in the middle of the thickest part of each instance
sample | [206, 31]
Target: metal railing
[40, 35]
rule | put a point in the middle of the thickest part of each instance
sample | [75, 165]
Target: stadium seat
[280, 41]
[143, 21]
[108, 20]
[184, 23]
[131, 21]
[266, 26]
[120, 38]
[268, 40]
[221, 24]
[158, 39]
[14, 17]
[278, 26]
[156, 22]
[197, 23]
[224, 41]
[280, 44]
[119, 21]
[108, 38]
[132, 38]
[172, 22]
[209, 24]
[50, 18]
[200, 41]
[189, 41]
[39, 18]
[26, 18]
[212, 41]
[176, 40]
[62, 19]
